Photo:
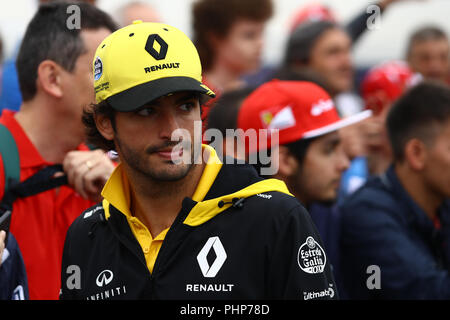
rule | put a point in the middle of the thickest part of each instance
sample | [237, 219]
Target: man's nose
[168, 123]
[343, 161]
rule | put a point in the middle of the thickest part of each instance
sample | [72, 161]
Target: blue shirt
[10, 95]
[328, 223]
[382, 226]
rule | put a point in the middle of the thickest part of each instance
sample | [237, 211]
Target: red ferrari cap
[385, 83]
[311, 13]
[297, 109]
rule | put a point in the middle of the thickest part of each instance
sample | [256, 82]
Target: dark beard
[138, 163]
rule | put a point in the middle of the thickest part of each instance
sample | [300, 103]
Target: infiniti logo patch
[104, 278]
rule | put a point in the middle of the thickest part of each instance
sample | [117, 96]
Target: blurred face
[437, 168]
[320, 175]
[144, 137]
[331, 58]
[78, 85]
[374, 133]
[241, 49]
[140, 11]
[431, 59]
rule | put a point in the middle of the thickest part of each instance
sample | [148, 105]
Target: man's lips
[170, 153]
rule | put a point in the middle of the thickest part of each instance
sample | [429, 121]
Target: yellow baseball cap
[144, 61]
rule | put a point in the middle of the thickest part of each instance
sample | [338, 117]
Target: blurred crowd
[368, 156]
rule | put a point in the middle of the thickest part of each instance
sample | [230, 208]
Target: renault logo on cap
[210, 271]
[150, 47]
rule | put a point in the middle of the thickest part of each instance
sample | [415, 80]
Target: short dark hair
[48, 37]
[416, 114]
[225, 111]
[302, 40]
[287, 73]
[93, 136]
[217, 16]
[298, 149]
[423, 34]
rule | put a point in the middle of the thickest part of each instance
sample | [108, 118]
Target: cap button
[137, 21]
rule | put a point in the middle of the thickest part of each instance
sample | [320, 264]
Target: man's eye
[187, 106]
[145, 112]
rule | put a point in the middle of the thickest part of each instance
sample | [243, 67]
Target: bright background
[388, 42]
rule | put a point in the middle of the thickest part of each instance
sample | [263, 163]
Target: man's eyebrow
[187, 96]
[333, 141]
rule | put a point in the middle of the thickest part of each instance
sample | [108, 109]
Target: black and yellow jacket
[238, 237]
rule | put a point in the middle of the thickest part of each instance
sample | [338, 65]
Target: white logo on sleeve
[311, 257]
[104, 278]
[210, 271]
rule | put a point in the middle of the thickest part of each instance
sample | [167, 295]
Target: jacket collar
[415, 214]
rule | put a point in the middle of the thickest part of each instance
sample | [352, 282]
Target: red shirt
[40, 222]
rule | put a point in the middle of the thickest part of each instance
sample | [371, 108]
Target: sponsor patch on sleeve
[311, 257]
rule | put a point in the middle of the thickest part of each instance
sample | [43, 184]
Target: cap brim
[136, 97]
[338, 125]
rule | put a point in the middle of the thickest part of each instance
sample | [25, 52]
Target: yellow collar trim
[206, 210]
[210, 172]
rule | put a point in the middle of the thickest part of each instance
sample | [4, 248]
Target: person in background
[324, 48]
[396, 228]
[316, 11]
[310, 157]
[428, 53]
[228, 35]
[137, 10]
[56, 83]
[13, 277]
[381, 87]
[10, 96]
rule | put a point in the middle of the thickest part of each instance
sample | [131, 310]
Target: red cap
[298, 109]
[312, 12]
[390, 79]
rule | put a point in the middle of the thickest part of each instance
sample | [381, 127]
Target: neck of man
[296, 189]
[52, 135]
[157, 203]
[419, 191]
[223, 78]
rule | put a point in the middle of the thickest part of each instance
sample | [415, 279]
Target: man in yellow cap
[176, 223]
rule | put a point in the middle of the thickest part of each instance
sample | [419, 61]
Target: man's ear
[287, 163]
[104, 126]
[49, 78]
[416, 154]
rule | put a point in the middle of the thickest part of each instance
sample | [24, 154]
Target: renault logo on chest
[210, 269]
[104, 278]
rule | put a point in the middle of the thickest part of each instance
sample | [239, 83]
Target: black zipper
[167, 244]
[121, 229]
